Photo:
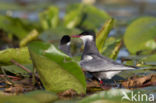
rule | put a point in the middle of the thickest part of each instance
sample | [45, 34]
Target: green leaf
[17, 99]
[116, 50]
[38, 96]
[95, 17]
[111, 96]
[49, 18]
[21, 55]
[58, 72]
[91, 17]
[103, 34]
[17, 70]
[14, 26]
[55, 34]
[71, 100]
[31, 36]
[42, 96]
[109, 46]
[73, 18]
[140, 34]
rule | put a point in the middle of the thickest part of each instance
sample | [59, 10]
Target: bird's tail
[134, 67]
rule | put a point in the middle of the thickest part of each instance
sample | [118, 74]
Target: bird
[93, 62]
[64, 45]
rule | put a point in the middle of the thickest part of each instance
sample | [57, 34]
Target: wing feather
[99, 63]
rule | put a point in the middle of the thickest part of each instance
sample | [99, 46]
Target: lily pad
[17, 99]
[150, 59]
[42, 96]
[38, 96]
[111, 96]
[57, 71]
[120, 96]
[140, 35]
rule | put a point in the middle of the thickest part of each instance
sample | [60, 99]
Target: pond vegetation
[34, 70]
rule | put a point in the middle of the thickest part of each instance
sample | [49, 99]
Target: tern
[92, 61]
[64, 45]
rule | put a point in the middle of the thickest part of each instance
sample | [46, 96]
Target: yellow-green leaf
[102, 35]
[49, 18]
[21, 55]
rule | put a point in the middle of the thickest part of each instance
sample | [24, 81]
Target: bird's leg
[115, 82]
[102, 85]
[100, 80]
[83, 70]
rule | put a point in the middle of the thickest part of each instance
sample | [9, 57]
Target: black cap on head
[65, 39]
[85, 33]
[89, 32]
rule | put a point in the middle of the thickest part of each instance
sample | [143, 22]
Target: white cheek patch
[68, 43]
[87, 58]
[86, 38]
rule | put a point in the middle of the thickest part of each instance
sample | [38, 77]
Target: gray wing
[101, 63]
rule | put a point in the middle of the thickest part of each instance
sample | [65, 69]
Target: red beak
[75, 36]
